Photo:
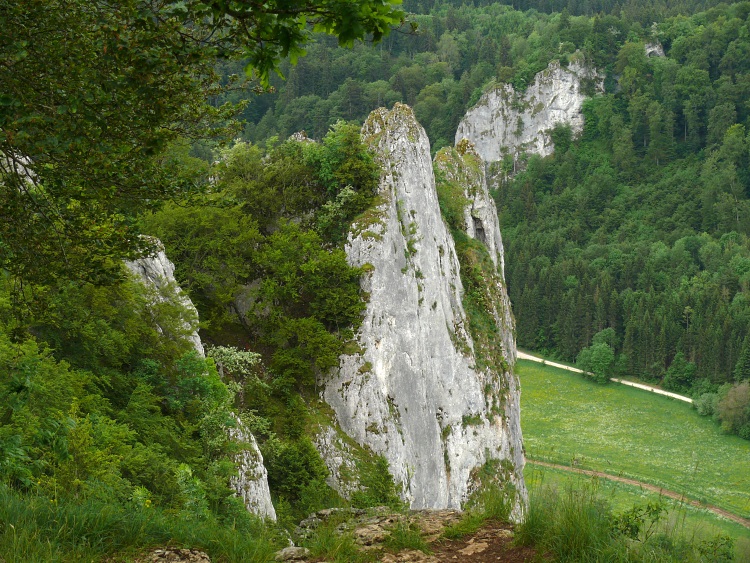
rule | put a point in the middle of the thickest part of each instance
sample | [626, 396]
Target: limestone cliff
[654, 49]
[157, 272]
[415, 393]
[462, 168]
[251, 482]
[506, 122]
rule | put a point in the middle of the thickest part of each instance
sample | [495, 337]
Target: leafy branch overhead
[275, 30]
[96, 93]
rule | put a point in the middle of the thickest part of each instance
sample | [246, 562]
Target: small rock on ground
[177, 556]
[292, 554]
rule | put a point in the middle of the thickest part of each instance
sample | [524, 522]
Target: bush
[597, 361]
[680, 375]
[293, 466]
[378, 488]
[733, 409]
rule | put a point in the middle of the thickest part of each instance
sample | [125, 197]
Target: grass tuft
[469, 524]
[330, 544]
[406, 535]
[490, 502]
[36, 528]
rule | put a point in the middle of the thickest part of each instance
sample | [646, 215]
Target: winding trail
[525, 356]
[665, 492]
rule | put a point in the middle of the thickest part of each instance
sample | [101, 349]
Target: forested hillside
[458, 48]
[641, 226]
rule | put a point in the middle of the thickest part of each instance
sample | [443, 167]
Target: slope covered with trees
[114, 434]
[641, 226]
[440, 71]
[94, 94]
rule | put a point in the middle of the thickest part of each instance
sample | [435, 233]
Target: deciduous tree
[95, 91]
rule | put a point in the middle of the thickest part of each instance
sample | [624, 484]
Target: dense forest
[640, 227]
[441, 69]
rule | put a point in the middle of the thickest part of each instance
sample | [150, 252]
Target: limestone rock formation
[341, 463]
[506, 122]
[157, 272]
[251, 483]
[170, 555]
[463, 167]
[415, 393]
[654, 49]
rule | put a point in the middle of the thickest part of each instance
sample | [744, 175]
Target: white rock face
[340, 462]
[463, 166]
[506, 122]
[251, 483]
[158, 272]
[414, 394]
[654, 50]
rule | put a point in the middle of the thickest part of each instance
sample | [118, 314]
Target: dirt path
[665, 492]
[525, 356]
[492, 542]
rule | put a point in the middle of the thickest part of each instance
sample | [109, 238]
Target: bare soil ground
[493, 542]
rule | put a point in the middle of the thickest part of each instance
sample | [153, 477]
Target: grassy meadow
[569, 420]
[681, 518]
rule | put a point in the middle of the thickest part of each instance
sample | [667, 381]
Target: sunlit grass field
[570, 420]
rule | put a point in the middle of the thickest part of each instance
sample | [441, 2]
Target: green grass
[329, 544]
[690, 521]
[406, 535]
[574, 518]
[490, 502]
[35, 529]
[567, 419]
[469, 524]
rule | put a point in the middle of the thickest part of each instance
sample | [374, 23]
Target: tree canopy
[95, 93]
[281, 28]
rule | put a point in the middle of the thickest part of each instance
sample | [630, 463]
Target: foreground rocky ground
[419, 536]
[426, 536]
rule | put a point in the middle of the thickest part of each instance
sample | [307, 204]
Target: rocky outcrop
[506, 122]
[251, 483]
[415, 394]
[157, 272]
[462, 167]
[372, 533]
[340, 461]
[654, 50]
[177, 556]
